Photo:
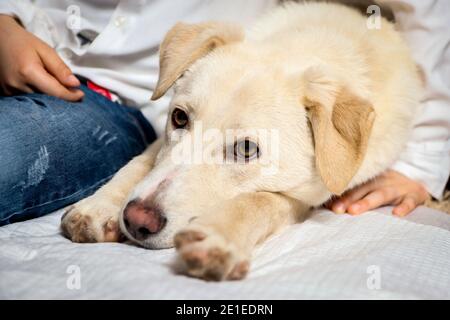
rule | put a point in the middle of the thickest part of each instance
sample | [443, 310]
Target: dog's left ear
[185, 43]
[341, 124]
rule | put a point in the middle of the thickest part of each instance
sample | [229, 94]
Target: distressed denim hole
[39, 102]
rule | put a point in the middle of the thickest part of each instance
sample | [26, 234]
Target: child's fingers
[373, 200]
[57, 68]
[39, 78]
[408, 204]
[341, 204]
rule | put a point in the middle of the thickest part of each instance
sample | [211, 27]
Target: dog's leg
[218, 246]
[95, 218]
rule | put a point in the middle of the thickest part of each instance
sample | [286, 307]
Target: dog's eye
[180, 118]
[246, 149]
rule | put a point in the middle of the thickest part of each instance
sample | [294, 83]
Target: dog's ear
[341, 124]
[185, 43]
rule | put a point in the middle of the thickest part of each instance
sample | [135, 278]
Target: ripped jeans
[54, 153]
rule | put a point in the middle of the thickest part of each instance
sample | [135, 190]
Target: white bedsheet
[374, 255]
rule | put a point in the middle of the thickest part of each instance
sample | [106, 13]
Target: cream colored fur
[341, 96]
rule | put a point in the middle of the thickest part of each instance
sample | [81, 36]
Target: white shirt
[124, 56]
[425, 25]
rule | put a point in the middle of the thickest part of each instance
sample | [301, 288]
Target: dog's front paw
[208, 255]
[91, 220]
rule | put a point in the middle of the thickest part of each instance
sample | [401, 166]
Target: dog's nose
[142, 220]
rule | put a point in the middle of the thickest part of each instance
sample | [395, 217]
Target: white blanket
[374, 255]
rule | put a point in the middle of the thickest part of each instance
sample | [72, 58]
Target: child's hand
[390, 188]
[28, 64]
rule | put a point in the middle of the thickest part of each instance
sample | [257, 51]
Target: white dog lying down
[339, 96]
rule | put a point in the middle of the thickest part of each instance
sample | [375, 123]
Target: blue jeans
[54, 152]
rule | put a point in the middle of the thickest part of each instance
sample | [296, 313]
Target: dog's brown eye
[180, 118]
[246, 149]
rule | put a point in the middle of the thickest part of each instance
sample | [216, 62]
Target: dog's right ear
[185, 43]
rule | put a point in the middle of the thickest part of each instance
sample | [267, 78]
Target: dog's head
[242, 120]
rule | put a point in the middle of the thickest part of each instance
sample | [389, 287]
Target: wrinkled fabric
[329, 256]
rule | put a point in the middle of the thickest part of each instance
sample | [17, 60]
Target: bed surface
[374, 255]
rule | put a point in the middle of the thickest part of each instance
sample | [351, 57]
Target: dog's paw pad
[111, 231]
[87, 223]
[195, 259]
[239, 271]
[186, 237]
[77, 228]
[209, 256]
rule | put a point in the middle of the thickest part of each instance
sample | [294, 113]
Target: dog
[341, 97]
